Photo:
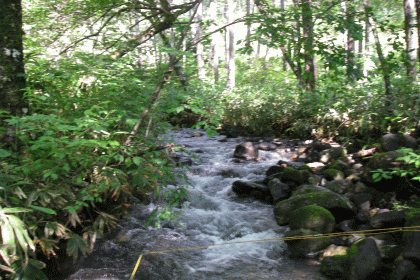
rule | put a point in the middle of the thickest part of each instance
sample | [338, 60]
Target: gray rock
[254, 190]
[412, 248]
[246, 151]
[364, 258]
[392, 142]
[339, 186]
[279, 190]
[402, 269]
[388, 219]
[334, 266]
[339, 206]
[332, 153]
[303, 247]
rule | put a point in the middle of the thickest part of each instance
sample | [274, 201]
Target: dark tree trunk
[12, 78]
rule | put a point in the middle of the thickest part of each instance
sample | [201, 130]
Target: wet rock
[303, 247]
[275, 169]
[362, 201]
[267, 146]
[312, 217]
[392, 142]
[246, 151]
[292, 177]
[279, 190]
[364, 258]
[249, 189]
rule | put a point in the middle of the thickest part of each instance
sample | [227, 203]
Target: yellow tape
[369, 232]
[135, 268]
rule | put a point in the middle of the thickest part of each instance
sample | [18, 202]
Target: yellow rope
[369, 232]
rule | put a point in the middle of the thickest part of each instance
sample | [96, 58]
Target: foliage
[408, 171]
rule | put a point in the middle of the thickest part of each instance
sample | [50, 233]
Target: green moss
[333, 174]
[291, 175]
[305, 167]
[312, 217]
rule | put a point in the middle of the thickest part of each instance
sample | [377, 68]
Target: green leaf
[4, 153]
[43, 209]
[75, 245]
[137, 160]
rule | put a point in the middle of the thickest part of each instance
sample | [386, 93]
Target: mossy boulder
[292, 177]
[275, 169]
[303, 247]
[334, 266]
[305, 167]
[339, 206]
[363, 258]
[333, 174]
[279, 190]
[339, 186]
[332, 154]
[312, 217]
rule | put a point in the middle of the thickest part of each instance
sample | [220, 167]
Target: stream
[214, 215]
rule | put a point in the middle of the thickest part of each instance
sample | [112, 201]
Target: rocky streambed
[247, 189]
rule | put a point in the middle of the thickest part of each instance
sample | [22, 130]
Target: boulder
[292, 177]
[331, 154]
[363, 258]
[392, 142]
[412, 239]
[279, 191]
[388, 219]
[303, 247]
[402, 269]
[339, 206]
[275, 169]
[246, 151]
[334, 266]
[312, 217]
[339, 186]
[333, 174]
[254, 190]
[267, 146]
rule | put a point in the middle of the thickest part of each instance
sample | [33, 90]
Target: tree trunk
[12, 72]
[384, 68]
[214, 59]
[409, 28]
[418, 26]
[200, 47]
[230, 83]
[284, 59]
[308, 38]
[351, 62]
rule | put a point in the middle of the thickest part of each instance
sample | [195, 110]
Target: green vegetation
[105, 79]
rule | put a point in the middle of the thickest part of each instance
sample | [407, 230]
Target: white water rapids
[214, 215]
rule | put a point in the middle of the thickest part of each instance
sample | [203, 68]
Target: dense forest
[88, 86]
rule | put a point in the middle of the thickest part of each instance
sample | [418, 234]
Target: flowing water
[214, 215]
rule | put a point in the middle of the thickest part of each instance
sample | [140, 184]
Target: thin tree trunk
[307, 23]
[284, 59]
[214, 59]
[200, 47]
[409, 28]
[418, 26]
[384, 67]
[350, 42]
[230, 83]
